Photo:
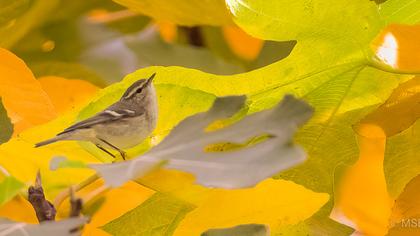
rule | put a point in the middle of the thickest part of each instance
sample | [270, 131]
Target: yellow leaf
[241, 43]
[20, 210]
[118, 201]
[67, 94]
[405, 218]
[22, 160]
[363, 196]
[395, 45]
[26, 102]
[399, 112]
[273, 202]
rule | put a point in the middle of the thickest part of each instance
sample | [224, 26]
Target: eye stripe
[133, 89]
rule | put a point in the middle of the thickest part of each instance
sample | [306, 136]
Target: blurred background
[101, 41]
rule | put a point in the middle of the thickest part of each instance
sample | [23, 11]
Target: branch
[44, 209]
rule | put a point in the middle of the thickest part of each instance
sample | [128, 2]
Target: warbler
[122, 125]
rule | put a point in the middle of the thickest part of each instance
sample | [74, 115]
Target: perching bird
[124, 124]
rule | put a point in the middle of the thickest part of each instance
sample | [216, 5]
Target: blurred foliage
[182, 12]
[66, 70]
[406, 212]
[9, 187]
[6, 125]
[19, 17]
[79, 39]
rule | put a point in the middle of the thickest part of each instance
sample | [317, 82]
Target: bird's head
[140, 90]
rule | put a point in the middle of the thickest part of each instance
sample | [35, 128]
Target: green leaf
[12, 9]
[318, 224]
[62, 162]
[130, 24]
[401, 11]
[153, 51]
[6, 126]
[330, 67]
[184, 148]
[335, 111]
[307, 19]
[77, 53]
[240, 230]
[215, 41]
[9, 187]
[328, 138]
[75, 9]
[20, 17]
[182, 12]
[158, 216]
[271, 51]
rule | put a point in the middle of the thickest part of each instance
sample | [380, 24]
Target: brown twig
[44, 209]
[75, 204]
[194, 36]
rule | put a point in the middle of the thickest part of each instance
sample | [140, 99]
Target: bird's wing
[101, 118]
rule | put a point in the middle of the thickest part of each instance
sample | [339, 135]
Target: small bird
[124, 124]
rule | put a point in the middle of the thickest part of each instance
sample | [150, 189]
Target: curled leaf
[184, 147]
[62, 227]
[182, 12]
[405, 214]
[240, 230]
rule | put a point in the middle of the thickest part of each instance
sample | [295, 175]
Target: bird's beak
[150, 79]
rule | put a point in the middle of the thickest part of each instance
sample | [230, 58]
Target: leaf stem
[375, 63]
[76, 204]
[65, 193]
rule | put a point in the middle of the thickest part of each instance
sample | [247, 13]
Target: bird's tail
[48, 141]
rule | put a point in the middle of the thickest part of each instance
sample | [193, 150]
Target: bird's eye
[139, 90]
